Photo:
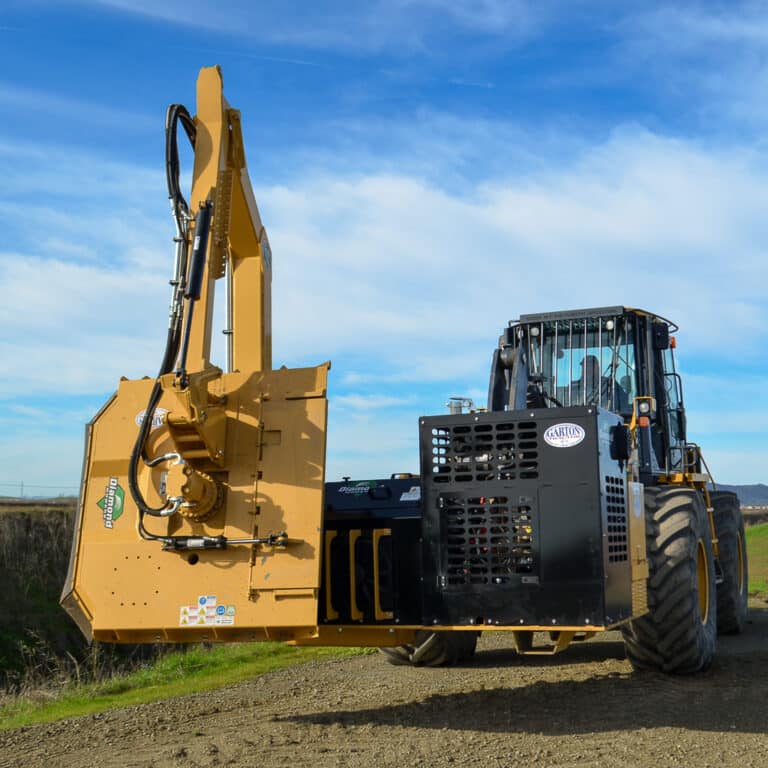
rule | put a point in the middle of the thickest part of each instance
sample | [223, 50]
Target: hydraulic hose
[171, 350]
[175, 114]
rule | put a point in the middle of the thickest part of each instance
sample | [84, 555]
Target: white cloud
[362, 402]
[393, 25]
[402, 281]
[682, 28]
[735, 466]
[85, 288]
[723, 406]
[70, 108]
[372, 443]
[418, 274]
[27, 412]
[707, 57]
[419, 281]
[42, 170]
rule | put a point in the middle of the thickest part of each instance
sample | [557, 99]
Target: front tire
[732, 554]
[678, 634]
[434, 649]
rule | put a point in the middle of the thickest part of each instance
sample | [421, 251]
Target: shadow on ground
[731, 696]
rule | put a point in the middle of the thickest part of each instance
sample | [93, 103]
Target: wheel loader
[573, 504]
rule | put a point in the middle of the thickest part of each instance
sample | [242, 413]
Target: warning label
[413, 495]
[206, 612]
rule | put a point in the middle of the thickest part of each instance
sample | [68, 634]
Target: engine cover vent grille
[486, 540]
[616, 506]
[470, 453]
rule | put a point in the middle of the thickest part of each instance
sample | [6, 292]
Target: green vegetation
[65, 504]
[34, 554]
[46, 667]
[757, 554]
[174, 674]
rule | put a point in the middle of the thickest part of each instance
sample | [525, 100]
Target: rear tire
[732, 550]
[679, 632]
[434, 649]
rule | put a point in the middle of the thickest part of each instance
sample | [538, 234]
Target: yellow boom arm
[200, 510]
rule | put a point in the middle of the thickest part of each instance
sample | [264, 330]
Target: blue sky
[427, 170]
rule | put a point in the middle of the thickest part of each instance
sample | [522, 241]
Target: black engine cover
[524, 519]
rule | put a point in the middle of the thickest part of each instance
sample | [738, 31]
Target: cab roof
[582, 314]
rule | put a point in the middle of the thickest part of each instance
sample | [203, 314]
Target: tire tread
[671, 637]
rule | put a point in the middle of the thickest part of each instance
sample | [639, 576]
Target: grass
[175, 674]
[757, 558]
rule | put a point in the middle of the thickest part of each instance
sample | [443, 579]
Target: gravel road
[583, 708]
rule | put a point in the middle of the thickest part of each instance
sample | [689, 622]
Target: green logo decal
[112, 503]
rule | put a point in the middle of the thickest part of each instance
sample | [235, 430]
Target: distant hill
[749, 495]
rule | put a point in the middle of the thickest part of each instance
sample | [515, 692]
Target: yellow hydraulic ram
[200, 512]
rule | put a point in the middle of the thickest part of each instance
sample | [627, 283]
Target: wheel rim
[702, 577]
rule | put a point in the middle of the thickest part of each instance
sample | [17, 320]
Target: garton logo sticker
[111, 504]
[157, 417]
[564, 435]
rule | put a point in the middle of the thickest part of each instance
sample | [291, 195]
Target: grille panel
[486, 540]
[616, 506]
[471, 453]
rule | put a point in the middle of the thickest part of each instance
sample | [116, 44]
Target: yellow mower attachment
[200, 510]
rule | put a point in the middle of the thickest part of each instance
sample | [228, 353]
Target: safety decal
[414, 494]
[111, 504]
[564, 435]
[206, 612]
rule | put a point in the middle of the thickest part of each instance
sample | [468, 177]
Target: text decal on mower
[564, 435]
[358, 488]
[157, 417]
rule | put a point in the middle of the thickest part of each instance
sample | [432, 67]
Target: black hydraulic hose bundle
[171, 349]
[177, 113]
[180, 209]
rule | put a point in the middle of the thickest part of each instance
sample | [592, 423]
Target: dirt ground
[583, 708]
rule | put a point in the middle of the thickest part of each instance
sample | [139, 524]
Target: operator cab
[605, 357]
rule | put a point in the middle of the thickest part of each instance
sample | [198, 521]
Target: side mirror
[680, 424]
[660, 333]
[507, 356]
[621, 442]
